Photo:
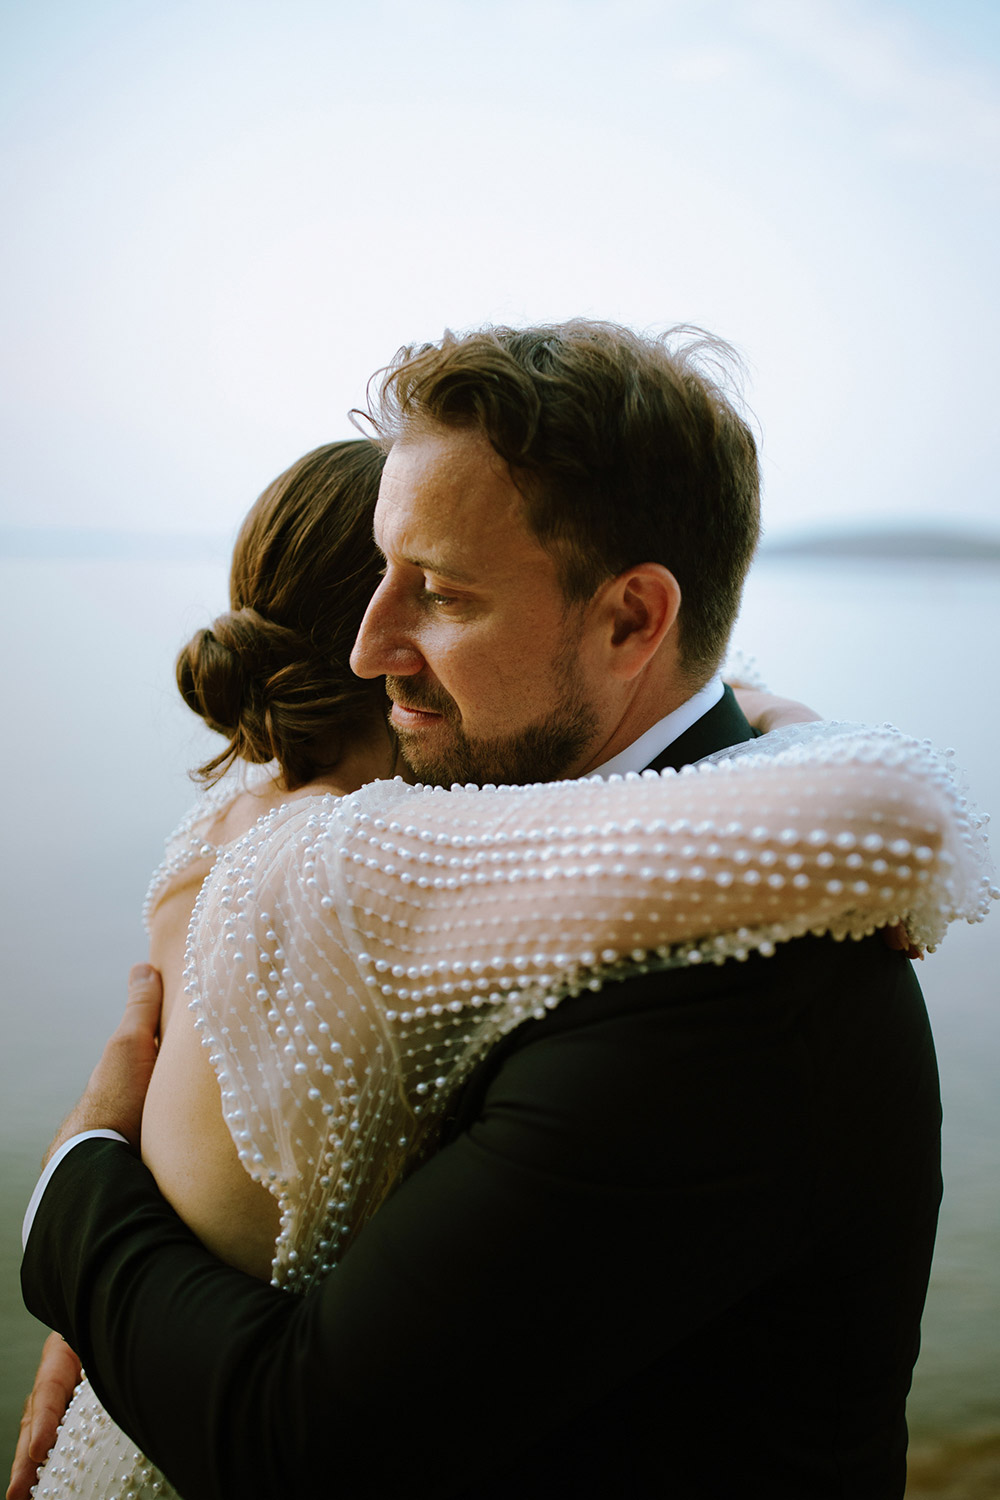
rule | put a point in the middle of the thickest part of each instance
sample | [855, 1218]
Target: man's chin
[435, 766]
[544, 752]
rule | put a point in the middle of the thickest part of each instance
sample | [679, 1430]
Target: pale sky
[224, 216]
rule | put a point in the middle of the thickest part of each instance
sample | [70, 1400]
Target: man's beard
[539, 752]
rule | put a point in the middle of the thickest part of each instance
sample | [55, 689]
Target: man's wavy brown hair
[626, 449]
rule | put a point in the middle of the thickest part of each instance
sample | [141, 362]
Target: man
[677, 1238]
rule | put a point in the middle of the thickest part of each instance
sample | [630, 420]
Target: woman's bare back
[185, 1140]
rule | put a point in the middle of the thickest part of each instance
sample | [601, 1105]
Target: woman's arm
[350, 961]
[451, 895]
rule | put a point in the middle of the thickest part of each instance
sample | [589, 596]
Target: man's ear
[639, 608]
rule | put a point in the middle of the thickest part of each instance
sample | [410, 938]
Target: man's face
[485, 665]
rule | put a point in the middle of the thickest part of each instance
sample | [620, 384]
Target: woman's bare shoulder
[247, 807]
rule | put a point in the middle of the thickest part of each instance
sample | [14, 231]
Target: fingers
[145, 997]
[58, 1373]
[23, 1471]
[899, 940]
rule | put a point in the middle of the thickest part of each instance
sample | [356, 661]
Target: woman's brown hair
[272, 674]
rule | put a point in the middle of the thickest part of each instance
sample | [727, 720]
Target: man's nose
[383, 647]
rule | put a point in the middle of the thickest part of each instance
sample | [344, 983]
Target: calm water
[95, 750]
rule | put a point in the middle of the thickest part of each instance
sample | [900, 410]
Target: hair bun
[259, 645]
[229, 672]
[273, 674]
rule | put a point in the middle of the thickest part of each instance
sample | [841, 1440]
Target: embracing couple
[600, 1166]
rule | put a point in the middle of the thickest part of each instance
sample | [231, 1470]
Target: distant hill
[888, 545]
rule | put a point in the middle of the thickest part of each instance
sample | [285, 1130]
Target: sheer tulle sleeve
[527, 886]
[351, 960]
[190, 843]
[306, 1063]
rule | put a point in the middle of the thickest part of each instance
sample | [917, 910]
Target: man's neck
[654, 740]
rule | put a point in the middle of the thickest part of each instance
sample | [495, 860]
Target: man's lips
[405, 717]
[407, 713]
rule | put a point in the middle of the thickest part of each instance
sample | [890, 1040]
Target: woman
[351, 960]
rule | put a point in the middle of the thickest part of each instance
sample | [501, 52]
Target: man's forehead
[449, 496]
[420, 542]
[447, 464]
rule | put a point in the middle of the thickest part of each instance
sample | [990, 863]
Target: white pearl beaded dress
[351, 960]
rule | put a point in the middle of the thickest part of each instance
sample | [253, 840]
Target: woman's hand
[766, 711]
[56, 1378]
[898, 939]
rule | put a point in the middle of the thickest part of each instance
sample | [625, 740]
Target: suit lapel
[722, 726]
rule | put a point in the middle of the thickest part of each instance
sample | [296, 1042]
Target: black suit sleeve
[530, 1268]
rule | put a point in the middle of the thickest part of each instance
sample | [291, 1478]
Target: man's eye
[430, 597]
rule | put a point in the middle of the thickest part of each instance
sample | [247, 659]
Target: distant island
[885, 545]
[888, 544]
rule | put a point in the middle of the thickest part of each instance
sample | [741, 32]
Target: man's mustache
[409, 693]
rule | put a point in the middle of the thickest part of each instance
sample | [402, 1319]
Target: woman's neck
[374, 756]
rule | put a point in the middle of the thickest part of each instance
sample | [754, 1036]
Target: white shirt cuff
[43, 1181]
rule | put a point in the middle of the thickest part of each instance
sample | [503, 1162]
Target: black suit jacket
[676, 1244]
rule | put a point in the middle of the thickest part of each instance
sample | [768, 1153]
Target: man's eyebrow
[438, 566]
[442, 568]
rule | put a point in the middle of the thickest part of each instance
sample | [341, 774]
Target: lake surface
[94, 756]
